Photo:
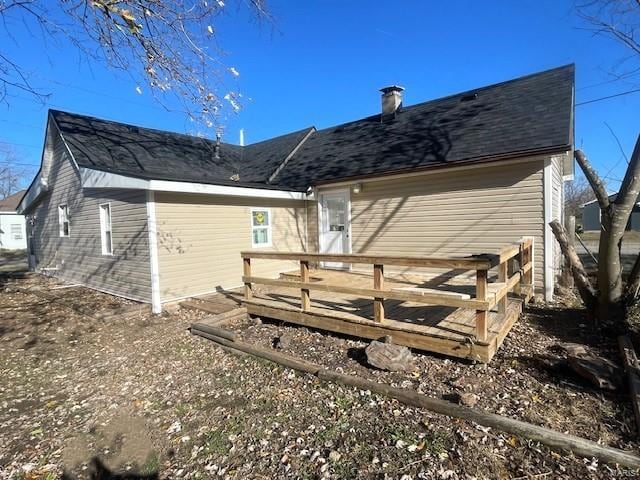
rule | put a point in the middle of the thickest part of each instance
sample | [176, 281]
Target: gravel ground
[143, 395]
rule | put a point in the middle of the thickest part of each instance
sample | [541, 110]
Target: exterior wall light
[357, 188]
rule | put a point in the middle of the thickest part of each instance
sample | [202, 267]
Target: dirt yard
[140, 394]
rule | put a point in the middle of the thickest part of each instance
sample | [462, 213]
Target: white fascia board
[37, 188]
[568, 167]
[98, 179]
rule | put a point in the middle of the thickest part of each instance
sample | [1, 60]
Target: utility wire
[608, 97]
[21, 145]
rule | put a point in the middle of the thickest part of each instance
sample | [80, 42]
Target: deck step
[229, 316]
[208, 306]
[423, 290]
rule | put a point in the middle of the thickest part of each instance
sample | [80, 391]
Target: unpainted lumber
[556, 440]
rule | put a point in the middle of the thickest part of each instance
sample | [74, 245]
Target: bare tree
[610, 294]
[618, 20]
[11, 172]
[576, 193]
[169, 46]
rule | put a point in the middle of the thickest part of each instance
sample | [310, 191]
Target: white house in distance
[13, 234]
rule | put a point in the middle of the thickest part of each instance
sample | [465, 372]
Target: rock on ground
[387, 356]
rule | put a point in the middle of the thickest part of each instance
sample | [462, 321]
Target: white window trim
[16, 235]
[103, 229]
[61, 220]
[269, 228]
[547, 188]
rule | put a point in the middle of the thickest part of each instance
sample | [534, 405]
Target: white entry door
[334, 225]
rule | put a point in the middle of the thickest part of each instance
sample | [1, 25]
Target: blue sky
[323, 62]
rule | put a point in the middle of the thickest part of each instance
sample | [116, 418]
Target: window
[260, 227]
[63, 220]
[16, 231]
[105, 229]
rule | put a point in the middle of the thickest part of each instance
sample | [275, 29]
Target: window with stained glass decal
[336, 212]
[260, 227]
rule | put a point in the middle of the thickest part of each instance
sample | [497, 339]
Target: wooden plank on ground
[551, 438]
[631, 366]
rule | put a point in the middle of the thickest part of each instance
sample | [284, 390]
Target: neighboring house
[591, 216]
[158, 216]
[13, 235]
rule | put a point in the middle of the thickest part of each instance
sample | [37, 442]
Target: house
[591, 216]
[13, 235]
[157, 216]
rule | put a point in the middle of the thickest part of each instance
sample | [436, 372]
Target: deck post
[524, 258]
[305, 300]
[528, 276]
[378, 284]
[481, 315]
[246, 270]
[502, 278]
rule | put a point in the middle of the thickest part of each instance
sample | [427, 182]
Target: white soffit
[98, 179]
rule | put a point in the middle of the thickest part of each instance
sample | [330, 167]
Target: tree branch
[594, 180]
[630, 188]
[585, 289]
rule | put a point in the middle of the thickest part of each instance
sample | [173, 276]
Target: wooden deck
[458, 315]
[446, 330]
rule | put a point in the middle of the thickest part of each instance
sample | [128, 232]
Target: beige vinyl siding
[451, 213]
[78, 257]
[312, 227]
[200, 238]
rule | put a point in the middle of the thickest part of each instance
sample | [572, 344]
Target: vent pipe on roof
[391, 101]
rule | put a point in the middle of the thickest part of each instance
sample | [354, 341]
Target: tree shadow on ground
[99, 471]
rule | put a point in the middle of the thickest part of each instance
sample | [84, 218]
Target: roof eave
[92, 178]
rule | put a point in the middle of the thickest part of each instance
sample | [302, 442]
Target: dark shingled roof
[528, 115]
[10, 203]
[159, 155]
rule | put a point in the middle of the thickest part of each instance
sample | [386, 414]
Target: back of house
[157, 216]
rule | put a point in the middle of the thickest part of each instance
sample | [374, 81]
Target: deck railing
[487, 295]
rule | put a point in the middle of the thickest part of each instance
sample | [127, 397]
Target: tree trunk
[580, 277]
[570, 230]
[609, 267]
